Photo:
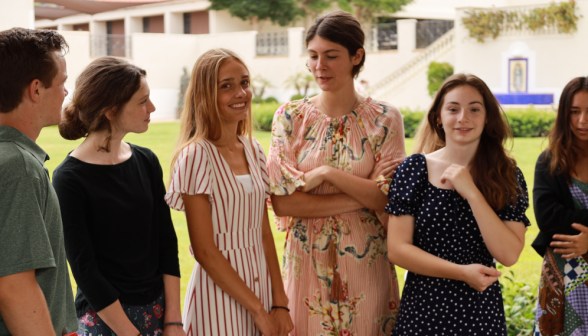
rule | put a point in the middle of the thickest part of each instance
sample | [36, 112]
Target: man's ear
[33, 90]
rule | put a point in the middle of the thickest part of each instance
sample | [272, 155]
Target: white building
[166, 36]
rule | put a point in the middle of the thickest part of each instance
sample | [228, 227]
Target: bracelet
[274, 307]
[173, 323]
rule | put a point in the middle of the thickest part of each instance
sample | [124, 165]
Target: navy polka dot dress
[445, 227]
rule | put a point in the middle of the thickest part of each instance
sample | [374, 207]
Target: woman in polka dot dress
[452, 212]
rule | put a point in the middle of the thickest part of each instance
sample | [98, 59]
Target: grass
[161, 138]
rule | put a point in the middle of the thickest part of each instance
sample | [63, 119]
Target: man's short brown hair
[25, 55]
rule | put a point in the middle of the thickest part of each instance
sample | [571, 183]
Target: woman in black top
[560, 197]
[119, 237]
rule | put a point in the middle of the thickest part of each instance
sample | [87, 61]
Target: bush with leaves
[411, 121]
[520, 304]
[296, 97]
[530, 122]
[437, 74]
[263, 115]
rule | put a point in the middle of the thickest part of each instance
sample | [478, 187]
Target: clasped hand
[461, 179]
[571, 246]
[276, 323]
[479, 277]
[315, 177]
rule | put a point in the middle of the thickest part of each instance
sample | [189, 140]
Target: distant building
[165, 36]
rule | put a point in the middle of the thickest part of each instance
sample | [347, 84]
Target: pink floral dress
[336, 269]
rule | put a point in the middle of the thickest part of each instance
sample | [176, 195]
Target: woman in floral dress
[560, 197]
[325, 157]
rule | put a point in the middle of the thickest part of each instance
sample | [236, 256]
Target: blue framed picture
[518, 75]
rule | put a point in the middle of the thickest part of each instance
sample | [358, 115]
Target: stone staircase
[414, 66]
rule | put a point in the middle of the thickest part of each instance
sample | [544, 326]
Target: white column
[295, 42]
[64, 27]
[133, 25]
[406, 35]
[19, 13]
[97, 27]
[212, 22]
[173, 23]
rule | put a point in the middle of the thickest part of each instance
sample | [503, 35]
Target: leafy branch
[490, 23]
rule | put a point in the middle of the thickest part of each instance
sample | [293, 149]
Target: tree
[312, 9]
[258, 86]
[301, 81]
[366, 10]
[282, 12]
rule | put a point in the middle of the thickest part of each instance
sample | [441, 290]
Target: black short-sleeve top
[445, 227]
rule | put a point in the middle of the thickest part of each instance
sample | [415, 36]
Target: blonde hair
[426, 139]
[200, 117]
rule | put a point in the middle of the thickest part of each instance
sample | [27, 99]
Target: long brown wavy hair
[563, 152]
[201, 118]
[492, 169]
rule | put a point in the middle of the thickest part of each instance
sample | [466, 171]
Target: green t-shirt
[31, 232]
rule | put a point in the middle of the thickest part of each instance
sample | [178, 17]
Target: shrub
[520, 304]
[436, 75]
[263, 115]
[271, 100]
[257, 100]
[529, 122]
[296, 97]
[411, 121]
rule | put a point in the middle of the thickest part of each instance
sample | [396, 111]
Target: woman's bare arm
[304, 205]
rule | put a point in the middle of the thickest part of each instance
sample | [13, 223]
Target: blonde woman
[220, 180]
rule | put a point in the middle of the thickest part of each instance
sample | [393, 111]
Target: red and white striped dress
[237, 218]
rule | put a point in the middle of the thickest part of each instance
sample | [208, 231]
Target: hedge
[525, 123]
[263, 115]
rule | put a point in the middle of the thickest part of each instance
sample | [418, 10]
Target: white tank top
[246, 181]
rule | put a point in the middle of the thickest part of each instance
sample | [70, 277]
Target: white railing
[432, 53]
[110, 45]
[272, 43]
[382, 36]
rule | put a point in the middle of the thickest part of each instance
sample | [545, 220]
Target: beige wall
[553, 59]
[19, 13]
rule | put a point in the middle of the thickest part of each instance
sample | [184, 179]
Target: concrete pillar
[133, 25]
[19, 13]
[295, 42]
[64, 27]
[212, 22]
[406, 35]
[97, 27]
[173, 23]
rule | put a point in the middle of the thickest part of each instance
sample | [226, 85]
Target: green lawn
[161, 139]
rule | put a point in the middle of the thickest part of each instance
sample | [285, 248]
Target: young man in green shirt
[35, 292]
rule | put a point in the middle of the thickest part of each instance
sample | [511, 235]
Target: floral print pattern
[141, 316]
[335, 269]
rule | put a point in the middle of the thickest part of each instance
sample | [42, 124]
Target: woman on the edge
[119, 237]
[452, 211]
[326, 153]
[220, 181]
[560, 199]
